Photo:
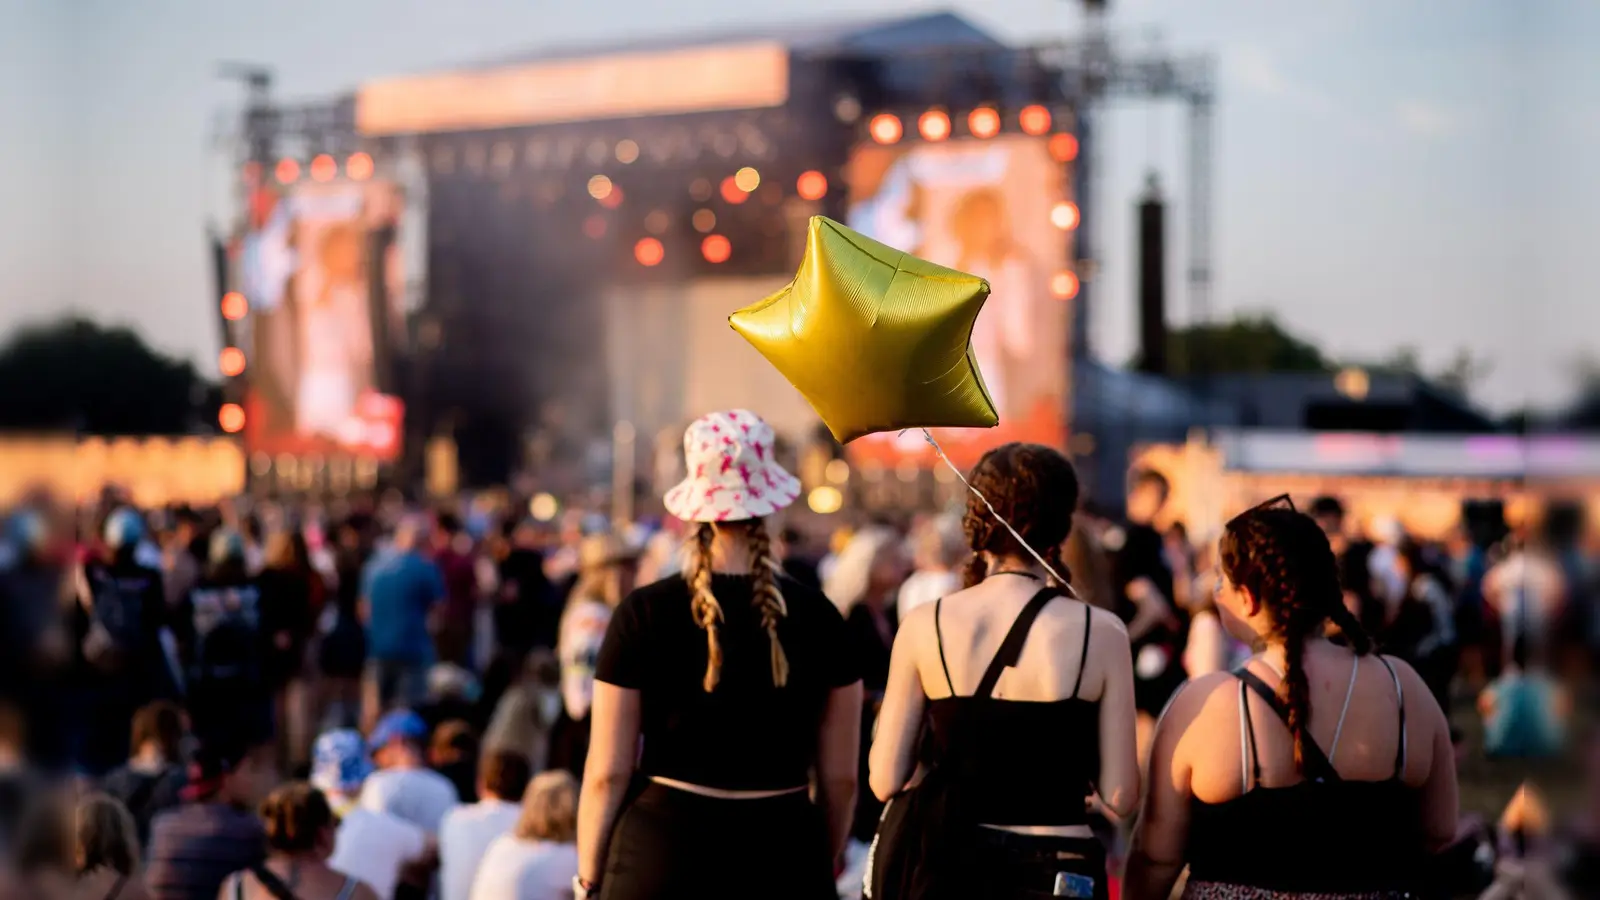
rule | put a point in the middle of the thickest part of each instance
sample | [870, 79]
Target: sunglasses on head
[1282, 501]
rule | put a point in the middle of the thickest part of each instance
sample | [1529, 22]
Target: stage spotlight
[230, 362]
[1034, 119]
[627, 151]
[234, 306]
[747, 179]
[1064, 285]
[812, 185]
[1064, 215]
[886, 128]
[983, 122]
[649, 252]
[323, 168]
[613, 199]
[231, 418]
[704, 220]
[359, 167]
[716, 248]
[594, 227]
[600, 187]
[731, 192]
[287, 172]
[934, 125]
[1063, 147]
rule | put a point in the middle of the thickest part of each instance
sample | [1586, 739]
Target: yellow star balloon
[873, 337]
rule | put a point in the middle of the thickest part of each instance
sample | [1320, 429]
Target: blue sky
[1387, 173]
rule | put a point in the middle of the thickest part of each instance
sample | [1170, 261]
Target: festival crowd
[371, 698]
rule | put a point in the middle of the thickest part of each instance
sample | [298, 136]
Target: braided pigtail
[1035, 490]
[769, 599]
[707, 611]
[1052, 556]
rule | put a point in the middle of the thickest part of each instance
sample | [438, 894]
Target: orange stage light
[359, 167]
[1063, 147]
[983, 122]
[934, 125]
[323, 168]
[649, 252]
[1064, 215]
[731, 192]
[231, 418]
[886, 128]
[287, 171]
[613, 199]
[231, 361]
[234, 306]
[716, 248]
[1034, 119]
[1064, 285]
[812, 185]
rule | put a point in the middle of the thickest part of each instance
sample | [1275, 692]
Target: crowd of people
[1025, 697]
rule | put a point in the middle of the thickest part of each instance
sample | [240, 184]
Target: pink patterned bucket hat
[732, 472]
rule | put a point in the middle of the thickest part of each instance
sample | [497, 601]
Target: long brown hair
[768, 596]
[1282, 557]
[1034, 488]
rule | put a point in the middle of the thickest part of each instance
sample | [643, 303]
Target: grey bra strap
[1355, 667]
[1400, 697]
[349, 889]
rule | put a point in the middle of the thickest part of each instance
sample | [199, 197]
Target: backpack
[114, 605]
[227, 636]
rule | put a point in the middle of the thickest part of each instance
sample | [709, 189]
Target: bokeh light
[704, 220]
[657, 221]
[231, 418]
[747, 179]
[886, 128]
[231, 362]
[812, 185]
[1064, 215]
[649, 252]
[594, 227]
[716, 248]
[287, 171]
[1064, 285]
[324, 168]
[234, 306]
[600, 187]
[543, 507]
[1063, 147]
[359, 167]
[627, 151]
[934, 125]
[1034, 119]
[983, 122]
[825, 500]
[613, 199]
[731, 192]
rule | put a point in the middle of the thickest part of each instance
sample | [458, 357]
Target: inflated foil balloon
[873, 337]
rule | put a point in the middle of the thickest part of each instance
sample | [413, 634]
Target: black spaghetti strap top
[1024, 762]
[1321, 835]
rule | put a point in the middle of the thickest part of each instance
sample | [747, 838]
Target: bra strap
[1011, 648]
[1315, 765]
[1083, 660]
[1400, 698]
[938, 636]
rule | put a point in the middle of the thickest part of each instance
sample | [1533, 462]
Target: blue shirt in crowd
[401, 587]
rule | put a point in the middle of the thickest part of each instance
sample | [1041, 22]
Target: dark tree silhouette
[1244, 345]
[77, 376]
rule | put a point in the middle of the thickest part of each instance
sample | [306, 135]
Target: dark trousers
[1009, 866]
[671, 844]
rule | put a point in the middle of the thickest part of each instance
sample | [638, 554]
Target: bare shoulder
[1195, 698]
[1413, 689]
[364, 892]
[1106, 624]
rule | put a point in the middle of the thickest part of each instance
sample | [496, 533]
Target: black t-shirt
[747, 734]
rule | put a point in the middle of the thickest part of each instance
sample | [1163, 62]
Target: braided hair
[1034, 488]
[708, 611]
[1284, 560]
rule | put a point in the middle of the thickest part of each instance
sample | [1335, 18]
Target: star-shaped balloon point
[873, 337]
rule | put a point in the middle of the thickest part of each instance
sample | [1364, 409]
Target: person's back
[371, 846]
[468, 831]
[299, 827]
[517, 869]
[401, 587]
[196, 846]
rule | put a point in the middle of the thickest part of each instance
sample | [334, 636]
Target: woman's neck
[1275, 652]
[730, 554]
[1016, 565]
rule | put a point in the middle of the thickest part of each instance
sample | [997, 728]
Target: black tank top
[1024, 762]
[1321, 835]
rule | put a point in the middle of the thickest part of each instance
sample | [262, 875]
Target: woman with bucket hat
[740, 685]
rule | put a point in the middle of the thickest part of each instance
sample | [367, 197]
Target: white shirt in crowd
[924, 587]
[371, 847]
[516, 869]
[420, 796]
[1526, 589]
[582, 631]
[465, 837]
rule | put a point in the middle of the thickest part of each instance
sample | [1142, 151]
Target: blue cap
[339, 762]
[123, 528]
[400, 725]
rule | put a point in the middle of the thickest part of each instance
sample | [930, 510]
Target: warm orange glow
[234, 306]
[613, 199]
[1064, 215]
[704, 220]
[934, 125]
[731, 192]
[595, 226]
[747, 179]
[886, 128]
[252, 173]
[649, 252]
[599, 187]
[287, 172]
[324, 168]
[359, 167]
[716, 248]
[1034, 119]
[812, 185]
[231, 361]
[1063, 147]
[1064, 285]
[231, 418]
[983, 122]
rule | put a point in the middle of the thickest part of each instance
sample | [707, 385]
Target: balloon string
[997, 517]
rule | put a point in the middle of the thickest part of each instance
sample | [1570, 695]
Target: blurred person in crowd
[214, 832]
[469, 831]
[599, 588]
[453, 752]
[1526, 592]
[292, 594]
[1090, 564]
[1525, 709]
[1577, 844]
[105, 852]
[342, 651]
[453, 553]
[36, 652]
[21, 786]
[404, 785]
[538, 859]
[1238, 755]
[836, 544]
[300, 829]
[222, 631]
[1424, 628]
[182, 549]
[1385, 566]
[525, 718]
[1525, 868]
[119, 618]
[525, 616]
[1210, 647]
[38, 853]
[401, 589]
[939, 549]
[371, 846]
[153, 778]
[798, 563]
[1041, 729]
[452, 695]
[735, 679]
[1143, 580]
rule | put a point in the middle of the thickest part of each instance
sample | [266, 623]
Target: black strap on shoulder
[1011, 648]
[272, 882]
[1083, 660]
[1400, 698]
[938, 635]
[1315, 764]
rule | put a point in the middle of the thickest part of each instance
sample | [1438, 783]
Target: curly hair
[708, 610]
[1283, 558]
[296, 817]
[1033, 487]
